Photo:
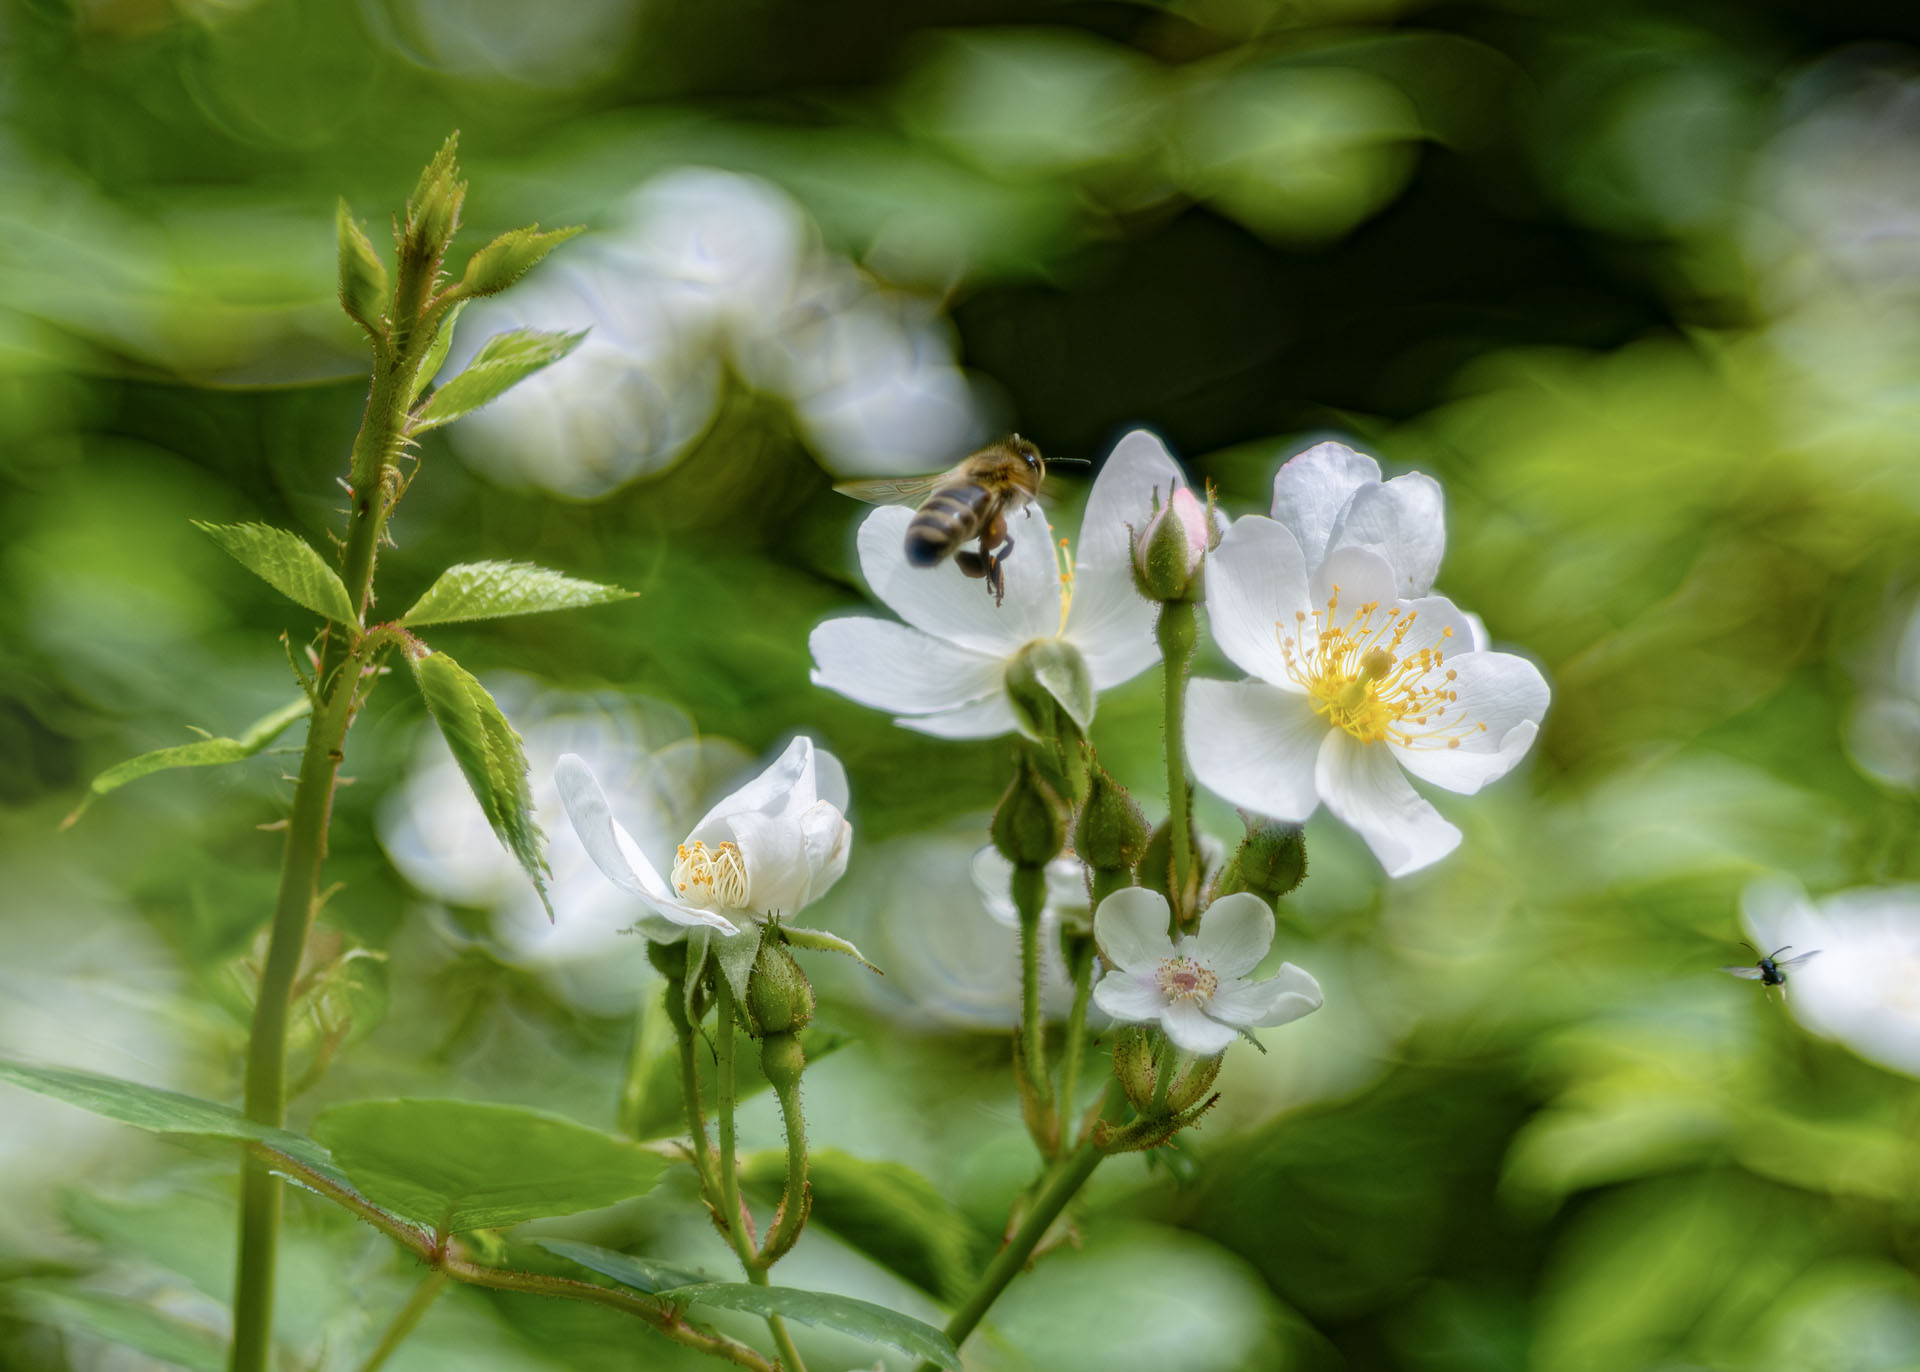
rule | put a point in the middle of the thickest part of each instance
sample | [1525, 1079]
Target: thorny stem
[793, 1200]
[1029, 899]
[345, 655]
[1175, 632]
[403, 1322]
[1080, 953]
[731, 1208]
[444, 1255]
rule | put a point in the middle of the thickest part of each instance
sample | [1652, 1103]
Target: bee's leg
[971, 563]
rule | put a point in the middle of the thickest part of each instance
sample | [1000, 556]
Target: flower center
[1361, 679]
[1185, 979]
[715, 878]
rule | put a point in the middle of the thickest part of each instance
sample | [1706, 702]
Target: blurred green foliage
[1561, 258]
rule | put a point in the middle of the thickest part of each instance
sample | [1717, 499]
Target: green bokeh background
[1585, 265]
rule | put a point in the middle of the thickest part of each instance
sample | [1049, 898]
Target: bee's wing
[1746, 969]
[1795, 962]
[903, 490]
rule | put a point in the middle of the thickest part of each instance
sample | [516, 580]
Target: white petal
[891, 667]
[826, 839]
[1235, 933]
[785, 786]
[1311, 491]
[1130, 997]
[1131, 928]
[1361, 783]
[1404, 521]
[943, 602]
[613, 850]
[830, 779]
[1508, 695]
[1287, 996]
[1110, 622]
[1358, 575]
[987, 718]
[1190, 1029]
[1256, 589]
[775, 853]
[1255, 745]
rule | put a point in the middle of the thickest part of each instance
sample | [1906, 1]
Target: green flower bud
[1030, 825]
[1171, 549]
[363, 276]
[779, 996]
[433, 210]
[1111, 833]
[1156, 870]
[782, 1060]
[508, 258]
[1271, 860]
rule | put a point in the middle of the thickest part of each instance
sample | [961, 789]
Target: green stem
[381, 436]
[690, 1097]
[793, 1199]
[1066, 1182]
[1176, 635]
[1081, 956]
[403, 1323]
[1029, 899]
[730, 1206]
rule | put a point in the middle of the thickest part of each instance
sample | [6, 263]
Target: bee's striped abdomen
[947, 519]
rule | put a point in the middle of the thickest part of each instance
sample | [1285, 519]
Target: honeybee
[967, 502]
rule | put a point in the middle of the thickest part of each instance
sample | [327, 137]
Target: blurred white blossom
[706, 274]
[1864, 988]
[1883, 727]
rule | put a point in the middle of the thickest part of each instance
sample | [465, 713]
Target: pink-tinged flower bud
[1169, 550]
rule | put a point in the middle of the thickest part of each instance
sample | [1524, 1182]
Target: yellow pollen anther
[1185, 979]
[1362, 678]
[715, 878]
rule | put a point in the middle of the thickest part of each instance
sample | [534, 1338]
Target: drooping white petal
[889, 666]
[1110, 622]
[1362, 785]
[1256, 588]
[1286, 996]
[1235, 933]
[1505, 693]
[987, 718]
[1255, 745]
[943, 602]
[1130, 997]
[1131, 928]
[1403, 520]
[1311, 490]
[613, 850]
[1190, 1028]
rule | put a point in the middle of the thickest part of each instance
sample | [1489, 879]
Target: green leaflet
[494, 590]
[490, 756]
[505, 361]
[285, 562]
[206, 752]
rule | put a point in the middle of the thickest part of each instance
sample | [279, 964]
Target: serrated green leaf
[461, 1165]
[889, 1212]
[505, 361]
[138, 1327]
[822, 941]
[494, 590]
[862, 1319]
[164, 1112]
[642, 1274]
[436, 354]
[285, 562]
[509, 257]
[490, 757]
[206, 752]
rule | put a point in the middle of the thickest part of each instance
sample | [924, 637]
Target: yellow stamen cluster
[1185, 979]
[1359, 678]
[712, 877]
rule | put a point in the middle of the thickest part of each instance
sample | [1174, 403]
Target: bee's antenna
[1069, 462]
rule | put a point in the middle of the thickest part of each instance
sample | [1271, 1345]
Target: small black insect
[1770, 970]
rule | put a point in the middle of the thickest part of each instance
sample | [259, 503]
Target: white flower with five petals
[1196, 988]
[1359, 672]
[769, 848]
[943, 672]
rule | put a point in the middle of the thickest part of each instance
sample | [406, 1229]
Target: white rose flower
[1358, 672]
[1195, 988]
[943, 672]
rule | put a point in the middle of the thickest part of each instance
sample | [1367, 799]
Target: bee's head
[1028, 454]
